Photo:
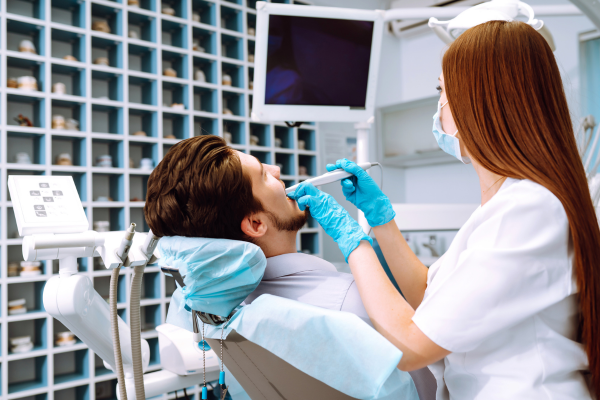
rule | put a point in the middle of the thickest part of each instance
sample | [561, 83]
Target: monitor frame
[262, 112]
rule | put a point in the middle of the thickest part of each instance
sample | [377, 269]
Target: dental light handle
[333, 176]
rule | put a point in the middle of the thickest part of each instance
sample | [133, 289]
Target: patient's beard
[292, 224]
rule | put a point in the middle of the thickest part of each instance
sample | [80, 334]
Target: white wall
[418, 66]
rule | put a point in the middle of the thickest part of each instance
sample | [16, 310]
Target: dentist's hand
[331, 216]
[362, 191]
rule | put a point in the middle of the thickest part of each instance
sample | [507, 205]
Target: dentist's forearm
[408, 270]
[390, 314]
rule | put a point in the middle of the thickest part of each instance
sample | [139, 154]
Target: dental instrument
[330, 177]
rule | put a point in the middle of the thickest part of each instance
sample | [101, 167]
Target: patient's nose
[273, 170]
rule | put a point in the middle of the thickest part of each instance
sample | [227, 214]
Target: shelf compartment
[176, 61]
[150, 286]
[107, 86]
[59, 327]
[308, 162]
[251, 51]
[73, 393]
[154, 351]
[71, 366]
[173, 34]
[208, 67]
[137, 216]
[180, 7]
[31, 8]
[74, 146]
[107, 119]
[206, 10]
[32, 292]
[285, 162]
[143, 25]
[28, 106]
[142, 59]
[205, 100]
[106, 390]
[150, 317]
[80, 184]
[142, 91]
[36, 329]
[111, 15]
[70, 109]
[251, 3]
[16, 67]
[113, 148]
[237, 131]
[231, 19]
[65, 43]
[234, 102]
[170, 286]
[232, 47]
[175, 125]
[206, 39]
[137, 151]
[309, 242]
[18, 30]
[102, 286]
[175, 93]
[286, 136]
[262, 156]
[236, 72]
[166, 148]
[115, 216]
[12, 232]
[205, 126]
[68, 12]
[72, 77]
[107, 187]
[308, 137]
[251, 24]
[143, 120]
[107, 48]
[137, 192]
[34, 145]
[251, 78]
[27, 374]
[262, 132]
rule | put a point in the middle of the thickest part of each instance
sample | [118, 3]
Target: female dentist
[512, 310]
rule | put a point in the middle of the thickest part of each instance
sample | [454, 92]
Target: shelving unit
[111, 103]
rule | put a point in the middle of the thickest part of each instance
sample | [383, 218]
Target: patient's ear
[254, 225]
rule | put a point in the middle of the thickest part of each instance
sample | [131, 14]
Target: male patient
[204, 188]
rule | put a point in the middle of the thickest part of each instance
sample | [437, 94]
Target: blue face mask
[448, 143]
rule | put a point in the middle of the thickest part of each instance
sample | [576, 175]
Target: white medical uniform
[503, 301]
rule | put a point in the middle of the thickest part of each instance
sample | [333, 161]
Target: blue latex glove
[362, 191]
[336, 221]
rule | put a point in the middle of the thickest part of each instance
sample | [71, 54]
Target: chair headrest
[218, 273]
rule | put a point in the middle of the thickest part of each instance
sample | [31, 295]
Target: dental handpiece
[329, 177]
[125, 245]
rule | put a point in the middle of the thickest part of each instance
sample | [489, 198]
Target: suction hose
[136, 341]
[114, 323]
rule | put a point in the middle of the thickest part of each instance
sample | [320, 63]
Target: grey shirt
[310, 280]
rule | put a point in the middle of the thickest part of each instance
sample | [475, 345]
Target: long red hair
[506, 95]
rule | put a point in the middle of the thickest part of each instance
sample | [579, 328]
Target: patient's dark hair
[200, 190]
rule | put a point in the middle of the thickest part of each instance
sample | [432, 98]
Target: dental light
[495, 10]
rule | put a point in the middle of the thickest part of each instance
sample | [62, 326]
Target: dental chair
[265, 376]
